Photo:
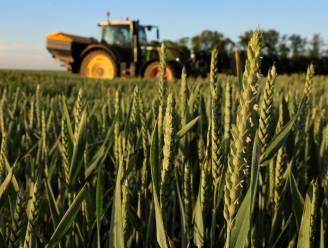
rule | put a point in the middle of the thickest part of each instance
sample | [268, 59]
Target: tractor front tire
[98, 64]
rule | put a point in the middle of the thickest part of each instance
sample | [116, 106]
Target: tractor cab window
[117, 35]
[142, 36]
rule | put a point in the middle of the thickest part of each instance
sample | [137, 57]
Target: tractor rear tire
[153, 71]
[99, 64]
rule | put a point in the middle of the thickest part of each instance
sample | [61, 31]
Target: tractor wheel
[153, 70]
[98, 64]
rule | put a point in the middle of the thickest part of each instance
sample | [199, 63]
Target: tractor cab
[120, 33]
[117, 33]
[130, 38]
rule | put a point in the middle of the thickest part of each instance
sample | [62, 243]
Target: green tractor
[123, 51]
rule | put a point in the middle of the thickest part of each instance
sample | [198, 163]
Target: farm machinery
[123, 51]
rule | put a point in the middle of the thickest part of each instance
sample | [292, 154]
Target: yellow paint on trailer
[59, 36]
[69, 38]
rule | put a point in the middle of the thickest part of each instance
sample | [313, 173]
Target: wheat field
[228, 161]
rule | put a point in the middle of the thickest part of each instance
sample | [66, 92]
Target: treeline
[290, 53]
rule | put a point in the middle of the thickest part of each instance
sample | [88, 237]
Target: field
[228, 161]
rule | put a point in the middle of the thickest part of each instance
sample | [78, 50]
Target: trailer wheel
[98, 64]
[153, 70]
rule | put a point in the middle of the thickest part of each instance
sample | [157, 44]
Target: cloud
[26, 56]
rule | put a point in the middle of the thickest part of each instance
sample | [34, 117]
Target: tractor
[123, 51]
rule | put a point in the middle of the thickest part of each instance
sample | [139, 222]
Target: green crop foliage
[226, 161]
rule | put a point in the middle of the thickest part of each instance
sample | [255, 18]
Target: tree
[270, 42]
[316, 46]
[283, 49]
[244, 39]
[184, 42]
[297, 45]
[207, 40]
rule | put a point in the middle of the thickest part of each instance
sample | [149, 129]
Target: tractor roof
[109, 23]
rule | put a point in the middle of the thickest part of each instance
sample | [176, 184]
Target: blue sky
[24, 24]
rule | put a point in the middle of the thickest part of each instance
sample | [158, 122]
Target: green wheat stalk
[238, 164]
[167, 173]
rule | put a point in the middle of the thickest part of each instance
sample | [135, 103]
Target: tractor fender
[174, 65]
[92, 48]
[98, 47]
[144, 66]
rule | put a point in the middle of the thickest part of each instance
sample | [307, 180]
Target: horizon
[23, 29]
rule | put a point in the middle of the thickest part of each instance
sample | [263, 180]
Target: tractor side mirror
[157, 34]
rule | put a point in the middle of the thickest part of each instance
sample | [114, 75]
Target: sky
[25, 23]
